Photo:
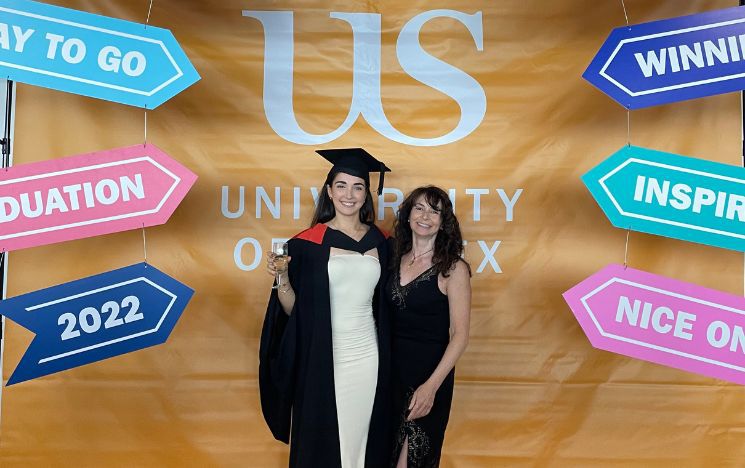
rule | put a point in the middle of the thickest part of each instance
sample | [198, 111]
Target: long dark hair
[449, 241]
[325, 210]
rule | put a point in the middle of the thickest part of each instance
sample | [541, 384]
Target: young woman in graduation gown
[324, 356]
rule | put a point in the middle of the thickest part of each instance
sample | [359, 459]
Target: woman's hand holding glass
[277, 262]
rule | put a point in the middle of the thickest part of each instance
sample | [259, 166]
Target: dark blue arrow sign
[672, 60]
[95, 318]
[92, 55]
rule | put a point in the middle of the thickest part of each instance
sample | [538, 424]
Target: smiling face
[424, 220]
[347, 193]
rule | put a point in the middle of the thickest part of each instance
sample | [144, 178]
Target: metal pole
[7, 160]
[6, 143]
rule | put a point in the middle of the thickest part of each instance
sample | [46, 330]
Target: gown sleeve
[277, 353]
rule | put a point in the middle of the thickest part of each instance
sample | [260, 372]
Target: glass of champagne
[279, 248]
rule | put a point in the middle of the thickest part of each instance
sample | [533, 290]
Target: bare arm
[458, 290]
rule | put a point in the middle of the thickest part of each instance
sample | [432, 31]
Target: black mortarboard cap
[356, 162]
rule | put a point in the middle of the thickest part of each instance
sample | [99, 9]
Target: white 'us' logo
[423, 67]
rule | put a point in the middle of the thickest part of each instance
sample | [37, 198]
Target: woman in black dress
[429, 295]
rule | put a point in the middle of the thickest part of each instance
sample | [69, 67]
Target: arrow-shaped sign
[662, 320]
[672, 196]
[92, 55]
[95, 318]
[672, 60]
[89, 195]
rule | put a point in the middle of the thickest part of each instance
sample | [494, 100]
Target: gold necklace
[415, 256]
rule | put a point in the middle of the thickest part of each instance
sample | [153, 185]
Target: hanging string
[144, 238]
[628, 111]
[147, 21]
[626, 252]
[628, 127]
[150, 8]
[144, 243]
[623, 5]
[628, 143]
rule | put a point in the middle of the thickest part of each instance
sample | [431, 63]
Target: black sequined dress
[421, 332]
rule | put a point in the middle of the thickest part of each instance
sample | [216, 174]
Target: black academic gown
[296, 369]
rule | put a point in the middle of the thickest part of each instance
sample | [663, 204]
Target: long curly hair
[449, 241]
[325, 210]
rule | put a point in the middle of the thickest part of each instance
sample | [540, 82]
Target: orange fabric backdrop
[530, 389]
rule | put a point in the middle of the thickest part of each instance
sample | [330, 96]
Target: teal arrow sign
[671, 195]
[97, 56]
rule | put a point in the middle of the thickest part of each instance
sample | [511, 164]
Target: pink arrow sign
[89, 195]
[662, 320]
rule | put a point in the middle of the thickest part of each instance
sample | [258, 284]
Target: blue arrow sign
[672, 196]
[92, 55]
[672, 60]
[95, 318]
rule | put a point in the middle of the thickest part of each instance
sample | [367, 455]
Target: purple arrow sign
[662, 320]
[89, 195]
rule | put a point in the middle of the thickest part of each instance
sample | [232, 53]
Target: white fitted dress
[352, 281]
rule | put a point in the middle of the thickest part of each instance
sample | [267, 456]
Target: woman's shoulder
[460, 271]
[458, 279]
[306, 242]
[313, 234]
